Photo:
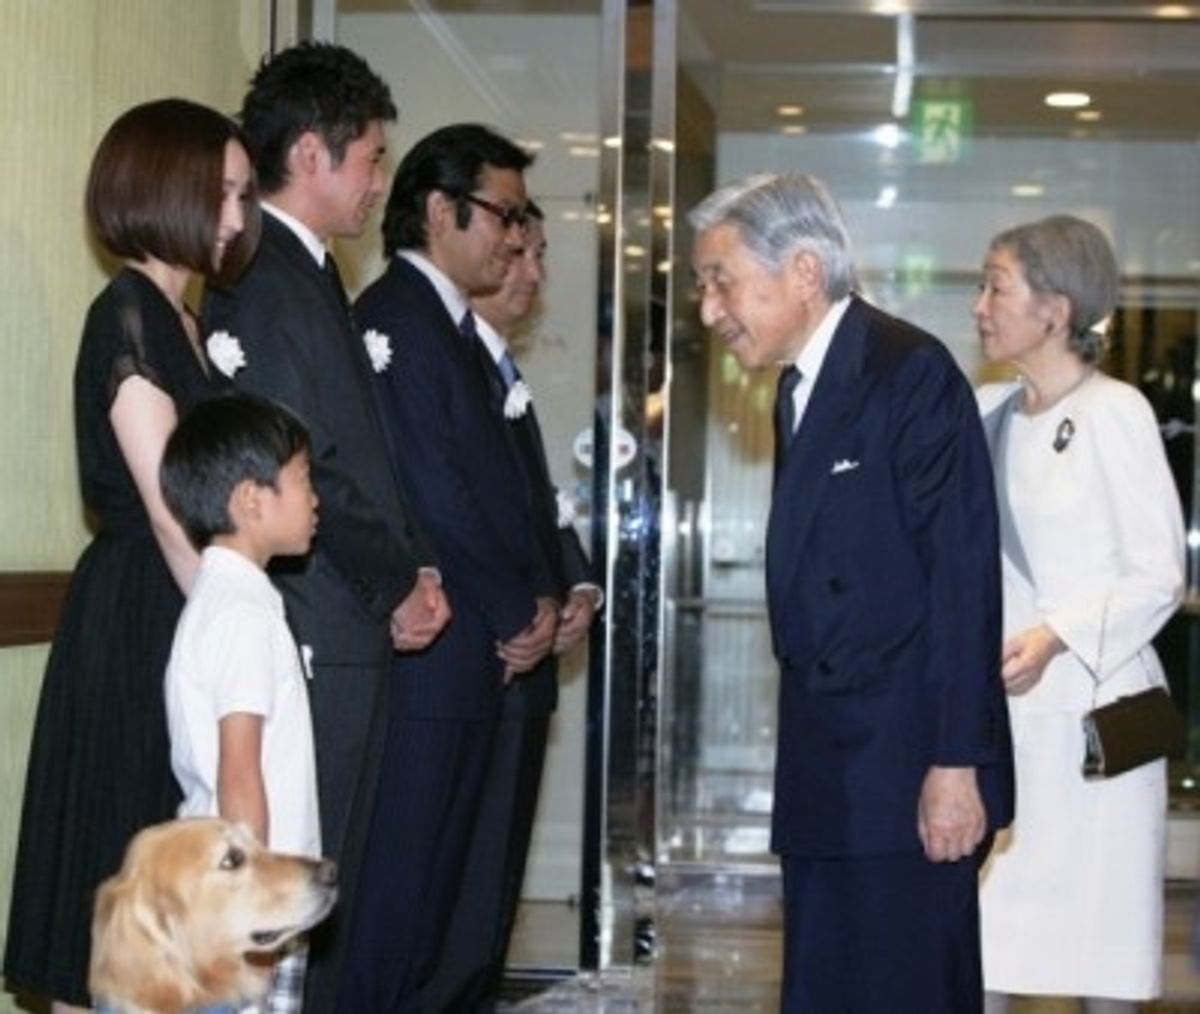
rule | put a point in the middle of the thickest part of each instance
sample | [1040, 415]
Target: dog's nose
[326, 873]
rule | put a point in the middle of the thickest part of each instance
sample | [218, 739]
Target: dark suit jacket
[536, 692]
[301, 350]
[883, 590]
[468, 489]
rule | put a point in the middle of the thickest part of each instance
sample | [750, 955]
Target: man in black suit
[453, 222]
[894, 762]
[314, 120]
[471, 964]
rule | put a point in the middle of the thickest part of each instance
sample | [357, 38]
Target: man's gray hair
[778, 214]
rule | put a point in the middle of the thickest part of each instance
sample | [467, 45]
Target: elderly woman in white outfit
[1092, 534]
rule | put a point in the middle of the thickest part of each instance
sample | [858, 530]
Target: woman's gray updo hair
[777, 214]
[1069, 257]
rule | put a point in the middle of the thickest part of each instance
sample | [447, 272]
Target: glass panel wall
[933, 126]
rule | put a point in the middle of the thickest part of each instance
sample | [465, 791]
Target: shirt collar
[311, 241]
[245, 572]
[813, 354]
[450, 294]
[490, 337]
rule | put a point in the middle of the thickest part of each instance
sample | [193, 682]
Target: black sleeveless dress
[99, 763]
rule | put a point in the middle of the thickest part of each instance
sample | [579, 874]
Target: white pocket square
[844, 465]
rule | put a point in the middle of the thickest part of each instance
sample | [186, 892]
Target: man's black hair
[450, 160]
[315, 86]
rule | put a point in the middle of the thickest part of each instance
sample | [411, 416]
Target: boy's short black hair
[218, 444]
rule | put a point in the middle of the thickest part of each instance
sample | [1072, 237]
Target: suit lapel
[805, 469]
[343, 337]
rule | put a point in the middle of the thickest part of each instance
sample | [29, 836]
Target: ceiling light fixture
[793, 129]
[905, 66]
[1088, 115]
[887, 135]
[1173, 11]
[790, 109]
[1027, 190]
[1068, 100]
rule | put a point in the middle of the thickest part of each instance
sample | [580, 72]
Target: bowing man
[893, 763]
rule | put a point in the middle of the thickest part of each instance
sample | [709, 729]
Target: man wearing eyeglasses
[454, 222]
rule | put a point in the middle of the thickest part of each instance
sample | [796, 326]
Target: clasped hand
[522, 652]
[420, 617]
[1024, 658]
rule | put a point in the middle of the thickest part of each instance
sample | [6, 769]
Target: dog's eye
[233, 859]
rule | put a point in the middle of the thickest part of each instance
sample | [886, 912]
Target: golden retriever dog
[195, 914]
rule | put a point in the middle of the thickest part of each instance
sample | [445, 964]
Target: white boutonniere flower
[516, 403]
[566, 508]
[225, 352]
[379, 349]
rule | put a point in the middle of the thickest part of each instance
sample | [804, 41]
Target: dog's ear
[138, 956]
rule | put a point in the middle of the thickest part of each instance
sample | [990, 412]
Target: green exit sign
[941, 129]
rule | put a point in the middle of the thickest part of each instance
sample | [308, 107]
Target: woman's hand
[1024, 657]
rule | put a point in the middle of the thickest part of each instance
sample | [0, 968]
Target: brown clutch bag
[1132, 731]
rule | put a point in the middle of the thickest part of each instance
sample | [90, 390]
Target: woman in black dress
[170, 193]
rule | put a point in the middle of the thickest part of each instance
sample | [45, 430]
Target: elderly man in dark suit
[894, 760]
[454, 220]
[314, 119]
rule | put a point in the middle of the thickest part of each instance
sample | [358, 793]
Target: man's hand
[422, 614]
[522, 652]
[575, 619]
[950, 816]
[1025, 656]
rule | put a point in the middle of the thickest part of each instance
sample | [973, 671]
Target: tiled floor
[719, 950]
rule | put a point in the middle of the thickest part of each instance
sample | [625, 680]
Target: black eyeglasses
[508, 216]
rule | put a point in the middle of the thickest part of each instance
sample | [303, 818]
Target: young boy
[235, 473]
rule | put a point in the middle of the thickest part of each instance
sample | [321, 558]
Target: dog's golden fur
[194, 914]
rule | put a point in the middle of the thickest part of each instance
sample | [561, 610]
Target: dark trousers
[349, 712]
[429, 791]
[471, 963]
[892, 933]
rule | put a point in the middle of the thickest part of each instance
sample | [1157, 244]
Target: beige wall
[69, 67]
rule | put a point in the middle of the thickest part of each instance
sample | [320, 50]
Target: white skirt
[1071, 899]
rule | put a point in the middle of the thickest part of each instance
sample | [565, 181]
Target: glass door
[936, 125]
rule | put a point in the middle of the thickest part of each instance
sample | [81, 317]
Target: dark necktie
[466, 327]
[335, 279]
[508, 370]
[785, 412]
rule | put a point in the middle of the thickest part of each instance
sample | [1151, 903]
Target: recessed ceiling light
[794, 129]
[790, 110]
[1027, 190]
[887, 135]
[1088, 115]
[1068, 100]
[1173, 11]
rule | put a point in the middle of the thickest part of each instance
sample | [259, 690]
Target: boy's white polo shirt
[233, 652]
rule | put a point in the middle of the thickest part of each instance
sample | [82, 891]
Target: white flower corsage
[379, 349]
[516, 404]
[225, 351]
[566, 508]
